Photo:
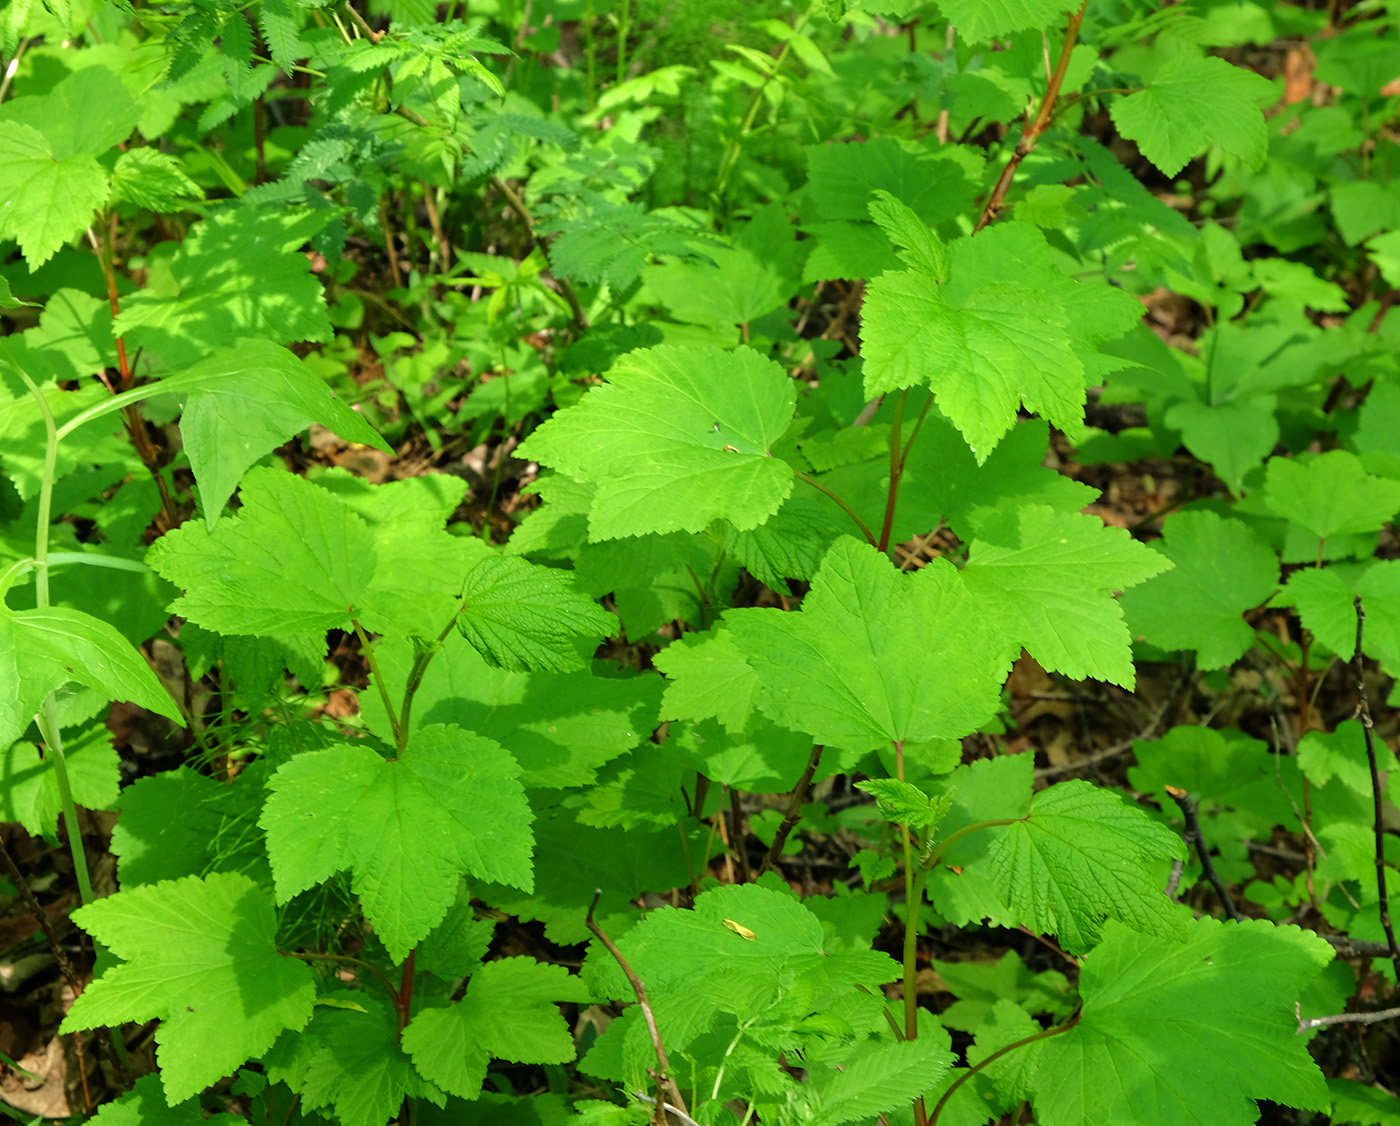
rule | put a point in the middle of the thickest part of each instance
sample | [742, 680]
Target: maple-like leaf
[1190, 101]
[145, 1105]
[407, 828]
[678, 437]
[1179, 1032]
[981, 20]
[1045, 580]
[1085, 854]
[1330, 494]
[521, 615]
[293, 559]
[1222, 569]
[199, 955]
[855, 669]
[1005, 328]
[508, 1012]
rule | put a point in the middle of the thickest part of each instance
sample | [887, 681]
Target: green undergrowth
[651, 409]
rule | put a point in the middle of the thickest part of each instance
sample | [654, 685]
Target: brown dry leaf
[46, 1094]
[1298, 66]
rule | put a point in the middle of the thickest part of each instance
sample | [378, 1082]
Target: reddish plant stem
[403, 1000]
[132, 418]
[1030, 136]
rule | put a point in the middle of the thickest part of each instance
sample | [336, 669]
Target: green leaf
[408, 828]
[1085, 854]
[145, 1105]
[879, 1077]
[923, 250]
[30, 793]
[1007, 329]
[358, 1066]
[1191, 1031]
[981, 20]
[154, 180]
[88, 111]
[521, 615]
[294, 559]
[1330, 494]
[508, 1013]
[1341, 754]
[1045, 580]
[676, 438]
[1191, 101]
[1221, 570]
[854, 668]
[41, 650]
[199, 955]
[905, 804]
[937, 185]
[842, 250]
[240, 274]
[1232, 436]
[734, 287]
[708, 674]
[244, 402]
[45, 200]
[280, 32]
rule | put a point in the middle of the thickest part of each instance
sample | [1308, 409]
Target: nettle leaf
[43, 649]
[1045, 580]
[294, 559]
[1330, 494]
[981, 20]
[1085, 854]
[200, 956]
[1222, 569]
[1006, 328]
[508, 1013]
[244, 402]
[676, 438]
[1191, 101]
[520, 615]
[878, 1076]
[407, 828]
[1191, 1031]
[154, 180]
[854, 668]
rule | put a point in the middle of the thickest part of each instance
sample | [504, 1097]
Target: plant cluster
[562, 471]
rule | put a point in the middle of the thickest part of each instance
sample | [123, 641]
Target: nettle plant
[760, 560]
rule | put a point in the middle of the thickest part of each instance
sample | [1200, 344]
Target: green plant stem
[590, 51]
[913, 895]
[400, 732]
[736, 144]
[970, 1072]
[807, 479]
[516, 204]
[403, 1002]
[1031, 134]
[49, 726]
[624, 28]
[421, 661]
[931, 861]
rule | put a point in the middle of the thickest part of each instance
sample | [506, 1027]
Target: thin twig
[794, 810]
[1195, 837]
[1363, 713]
[736, 835]
[1342, 1018]
[686, 1120]
[665, 1085]
[1030, 136]
[65, 967]
[516, 204]
[1348, 947]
